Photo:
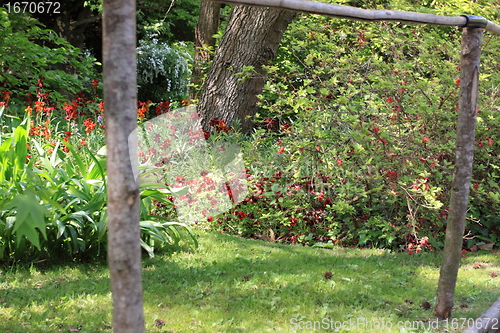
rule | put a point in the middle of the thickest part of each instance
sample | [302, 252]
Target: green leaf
[30, 216]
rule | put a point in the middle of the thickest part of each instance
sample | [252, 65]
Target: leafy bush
[357, 137]
[162, 72]
[174, 21]
[66, 70]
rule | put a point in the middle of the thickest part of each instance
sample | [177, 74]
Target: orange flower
[6, 95]
[39, 106]
[46, 133]
[143, 109]
[89, 125]
[68, 135]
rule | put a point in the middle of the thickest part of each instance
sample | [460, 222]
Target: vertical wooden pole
[466, 129]
[124, 251]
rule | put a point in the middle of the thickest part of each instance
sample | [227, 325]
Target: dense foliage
[162, 71]
[354, 143]
[357, 136]
[53, 182]
[64, 68]
[172, 21]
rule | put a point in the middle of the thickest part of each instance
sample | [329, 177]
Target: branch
[347, 12]
[86, 21]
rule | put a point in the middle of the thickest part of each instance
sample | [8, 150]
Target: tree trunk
[124, 251]
[251, 39]
[206, 27]
[469, 82]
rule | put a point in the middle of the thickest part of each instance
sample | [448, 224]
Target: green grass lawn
[232, 284]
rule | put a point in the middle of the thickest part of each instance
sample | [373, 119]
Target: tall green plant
[55, 204]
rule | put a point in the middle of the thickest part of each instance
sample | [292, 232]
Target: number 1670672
[43, 7]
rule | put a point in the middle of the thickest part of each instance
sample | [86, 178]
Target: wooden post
[124, 251]
[466, 129]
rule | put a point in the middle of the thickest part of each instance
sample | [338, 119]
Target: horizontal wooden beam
[359, 14]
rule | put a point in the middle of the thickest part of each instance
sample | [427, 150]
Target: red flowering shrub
[359, 122]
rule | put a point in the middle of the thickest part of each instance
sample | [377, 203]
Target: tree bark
[124, 251]
[466, 128]
[251, 39]
[206, 27]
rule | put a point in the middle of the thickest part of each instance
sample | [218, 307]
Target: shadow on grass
[232, 284]
[245, 285]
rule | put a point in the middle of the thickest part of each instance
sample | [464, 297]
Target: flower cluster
[143, 108]
[219, 125]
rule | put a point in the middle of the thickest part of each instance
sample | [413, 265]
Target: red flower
[39, 106]
[68, 135]
[163, 107]
[424, 241]
[389, 100]
[6, 95]
[143, 109]
[476, 186]
[375, 130]
[425, 139]
[219, 125]
[392, 175]
[282, 149]
[71, 112]
[89, 125]
[457, 82]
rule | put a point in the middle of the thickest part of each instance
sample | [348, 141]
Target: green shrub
[162, 72]
[65, 69]
[358, 120]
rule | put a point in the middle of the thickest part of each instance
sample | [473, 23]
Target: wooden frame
[347, 12]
